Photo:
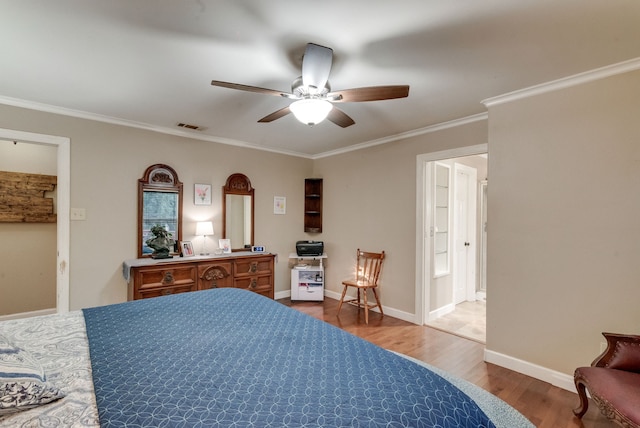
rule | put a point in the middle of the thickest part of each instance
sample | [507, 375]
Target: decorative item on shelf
[204, 228]
[161, 242]
[225, 245]
[186, 249]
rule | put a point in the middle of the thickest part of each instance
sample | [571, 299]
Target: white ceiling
[149, 63]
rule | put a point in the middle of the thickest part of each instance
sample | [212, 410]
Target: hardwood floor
[546, 406]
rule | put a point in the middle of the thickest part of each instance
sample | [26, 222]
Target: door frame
[63, 198]
[423, 218]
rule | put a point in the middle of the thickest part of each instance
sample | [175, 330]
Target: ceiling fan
[312, 93]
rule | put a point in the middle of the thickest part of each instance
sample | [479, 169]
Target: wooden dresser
[151, 278]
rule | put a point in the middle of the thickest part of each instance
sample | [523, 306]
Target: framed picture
[202, 194]
[279, 205]
[225, 245]
[186, 248]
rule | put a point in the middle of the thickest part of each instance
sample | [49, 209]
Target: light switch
[78, 214]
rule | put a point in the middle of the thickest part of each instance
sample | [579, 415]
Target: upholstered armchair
[613, 381]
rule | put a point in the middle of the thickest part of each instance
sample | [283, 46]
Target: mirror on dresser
[238, 212]
[159, 202]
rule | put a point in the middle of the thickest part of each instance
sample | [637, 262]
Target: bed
[232, 358]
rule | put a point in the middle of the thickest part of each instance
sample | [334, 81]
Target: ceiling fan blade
[275, 115]
[370, 93]
[340, 118]
[316, 66]
[251, 89]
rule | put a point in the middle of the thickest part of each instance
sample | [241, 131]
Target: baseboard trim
[282, 295]
[28, 314]
[405, 316]
[446, 309]
[561, 380]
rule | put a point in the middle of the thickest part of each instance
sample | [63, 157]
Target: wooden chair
[367, 274]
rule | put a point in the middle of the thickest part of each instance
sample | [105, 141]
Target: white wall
[564, 198]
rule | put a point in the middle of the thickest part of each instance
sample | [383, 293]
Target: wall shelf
[313, 205]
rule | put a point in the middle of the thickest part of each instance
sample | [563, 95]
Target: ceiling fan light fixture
[311, 111]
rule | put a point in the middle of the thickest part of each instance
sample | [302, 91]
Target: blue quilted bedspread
[232, 358]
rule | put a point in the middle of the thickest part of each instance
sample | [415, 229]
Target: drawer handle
[213, 274]
[168, 277]
[166, 292]
[253, 284]
[253, 267]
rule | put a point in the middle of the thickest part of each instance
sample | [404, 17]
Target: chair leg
[375, 293]
[584, 401]
[344, 291]
[366, 307]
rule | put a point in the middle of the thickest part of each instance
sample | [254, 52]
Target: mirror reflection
[238, 226]
[159, 208]
[159, 203]
[238, 211]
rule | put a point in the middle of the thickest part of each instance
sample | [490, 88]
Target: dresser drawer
[253, 266]
[259, 284]
[158, 281]
[215, 275]
[165, 291]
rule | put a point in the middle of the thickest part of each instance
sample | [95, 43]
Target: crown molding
[404, 135]
[31, 105]
[566, 82]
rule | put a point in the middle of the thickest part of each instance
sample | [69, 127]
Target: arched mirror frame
[158, 178]
[237, 184]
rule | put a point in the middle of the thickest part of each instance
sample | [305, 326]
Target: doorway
[63, 203]
[449, 298]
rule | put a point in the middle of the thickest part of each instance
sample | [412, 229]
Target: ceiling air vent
[188, 126]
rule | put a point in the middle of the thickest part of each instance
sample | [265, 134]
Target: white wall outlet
[78, 214]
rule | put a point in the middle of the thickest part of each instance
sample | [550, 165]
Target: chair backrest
[368, 267]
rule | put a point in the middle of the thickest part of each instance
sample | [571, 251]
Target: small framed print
[279, 205]
[225, 245]
[186, 248]
[202, 194]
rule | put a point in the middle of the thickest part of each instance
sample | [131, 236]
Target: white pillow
[23, 384]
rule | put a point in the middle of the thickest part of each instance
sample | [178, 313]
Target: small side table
[307, 279]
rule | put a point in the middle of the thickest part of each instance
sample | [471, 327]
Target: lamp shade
[204, 228]
[311, 111]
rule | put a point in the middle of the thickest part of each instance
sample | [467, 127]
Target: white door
[464, 277]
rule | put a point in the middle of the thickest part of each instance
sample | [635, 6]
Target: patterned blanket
[232, 358]
[59, 343]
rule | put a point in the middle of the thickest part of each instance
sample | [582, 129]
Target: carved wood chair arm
[622, 353]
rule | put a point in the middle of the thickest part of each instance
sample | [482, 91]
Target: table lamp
[204, 228]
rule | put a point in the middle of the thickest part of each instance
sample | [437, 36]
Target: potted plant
[161, 242]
